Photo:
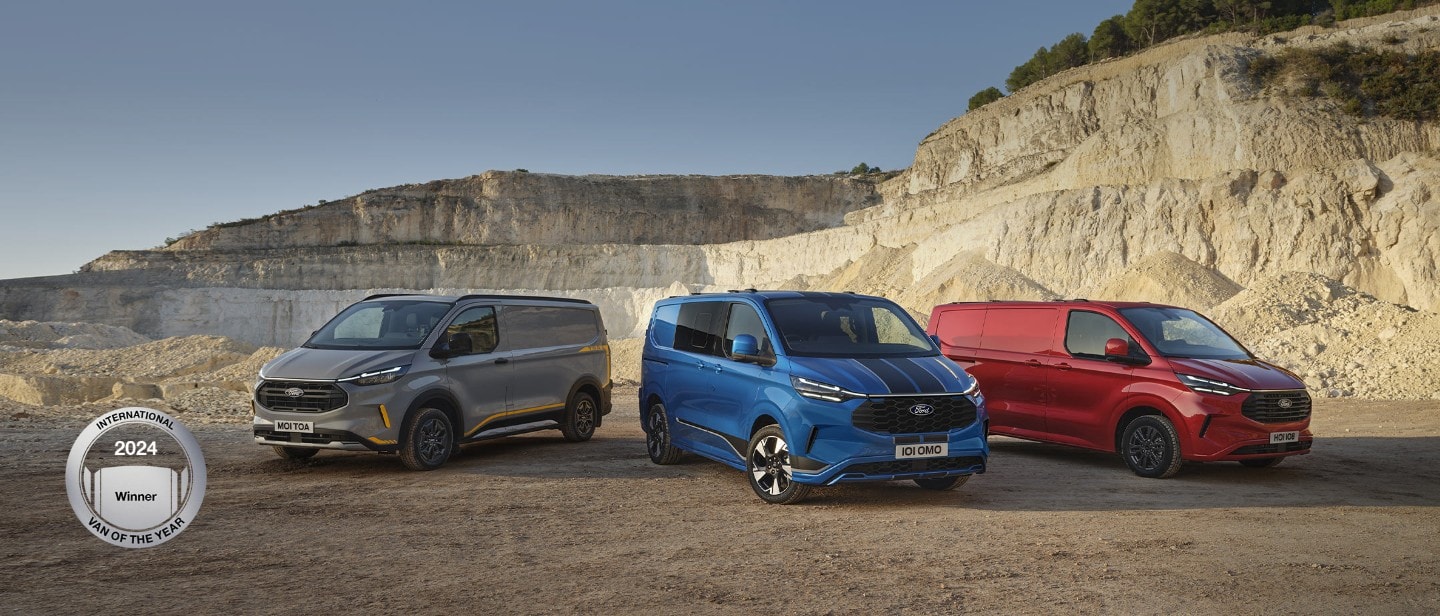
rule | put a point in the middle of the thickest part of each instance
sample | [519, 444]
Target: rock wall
[516, 208]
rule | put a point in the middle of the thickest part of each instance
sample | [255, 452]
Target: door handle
[1063, 366]
[1033, 362]
[719, 368]
[502, 360]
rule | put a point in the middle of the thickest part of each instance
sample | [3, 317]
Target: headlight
[974, 387]
[1210, 386]
[376, 377]
[822, 391]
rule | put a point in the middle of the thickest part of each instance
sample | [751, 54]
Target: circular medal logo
[135, 477]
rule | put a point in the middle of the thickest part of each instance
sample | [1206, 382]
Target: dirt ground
[533, 524]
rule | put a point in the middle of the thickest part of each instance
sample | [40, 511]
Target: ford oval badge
[922, 410]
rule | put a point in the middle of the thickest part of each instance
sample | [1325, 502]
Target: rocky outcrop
[522, 208]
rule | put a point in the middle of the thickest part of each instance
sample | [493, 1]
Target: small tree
[860, 169]
[1110, 39]
[985, 97]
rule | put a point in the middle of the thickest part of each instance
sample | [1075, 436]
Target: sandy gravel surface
[536, 525]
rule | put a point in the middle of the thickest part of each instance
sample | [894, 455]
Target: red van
[1157, 384]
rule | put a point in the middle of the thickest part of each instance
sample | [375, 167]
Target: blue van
[801, 389]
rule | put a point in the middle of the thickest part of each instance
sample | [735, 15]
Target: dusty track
[536, 525]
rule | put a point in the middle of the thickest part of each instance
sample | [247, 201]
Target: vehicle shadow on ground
[1353, 471]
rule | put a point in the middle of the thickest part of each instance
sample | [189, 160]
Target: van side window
[479, 324]
[698, 330]
[1086, 333]
[961, 328]
[531, 327]
[744, 320]
[1020, 330]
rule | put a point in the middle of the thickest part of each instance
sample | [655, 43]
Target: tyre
[1151, 447]
[768, 466]
[295, 453]
[657, 437]
[943, 483]
[580, 416]
[1263, 462]
[429, 439]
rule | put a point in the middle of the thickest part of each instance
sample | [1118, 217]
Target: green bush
[985, 97]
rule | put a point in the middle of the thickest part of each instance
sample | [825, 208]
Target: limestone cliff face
[1080, 177]
[514, 208]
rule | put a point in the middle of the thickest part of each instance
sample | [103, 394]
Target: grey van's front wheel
[429, 440]
[768, 467]
[1151, 447]
[580, 415]
[657, 437]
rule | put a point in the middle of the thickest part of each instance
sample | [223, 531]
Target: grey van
[420, 374]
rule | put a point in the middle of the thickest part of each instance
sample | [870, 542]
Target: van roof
[477, 296]
[1004, 303]
[767, 294]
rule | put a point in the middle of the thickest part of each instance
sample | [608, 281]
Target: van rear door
[1016, 343]
[544, 344]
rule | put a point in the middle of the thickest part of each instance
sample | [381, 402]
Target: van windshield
[387, 325]
[847, 327]
[1180, 333]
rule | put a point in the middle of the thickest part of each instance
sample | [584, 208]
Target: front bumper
[836, 451]
[369, 421]
[1218, 431]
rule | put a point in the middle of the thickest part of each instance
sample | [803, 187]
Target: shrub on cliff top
[985, 97]
[1363, 81]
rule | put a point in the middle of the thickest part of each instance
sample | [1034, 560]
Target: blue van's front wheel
[769, 468]
[657, 437]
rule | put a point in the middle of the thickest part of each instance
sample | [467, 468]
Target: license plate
[922, 450]
[1292, 436]
[307, 427]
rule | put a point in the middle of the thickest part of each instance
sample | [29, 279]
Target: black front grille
[921, 465]
[1272, 448]
[313, 398]
[1277, 406]
[896, 416]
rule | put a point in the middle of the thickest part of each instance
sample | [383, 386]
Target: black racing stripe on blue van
[922, 377]
[893, 378]
[858, 376]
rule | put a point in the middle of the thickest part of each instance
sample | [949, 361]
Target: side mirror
[935, 338]
[745, 348]
[745, 344]
[451, 346]
[1118, 351]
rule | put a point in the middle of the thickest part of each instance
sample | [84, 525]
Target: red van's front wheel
[1151, 447]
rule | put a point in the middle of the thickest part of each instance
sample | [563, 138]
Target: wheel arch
[590, 385]
[1142, 409]
[441, 399]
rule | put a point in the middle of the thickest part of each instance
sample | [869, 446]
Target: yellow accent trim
[380, 442]
[384, 416]
[491, 418]
[601, 347]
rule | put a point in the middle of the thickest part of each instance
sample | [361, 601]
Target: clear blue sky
[123, 123]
